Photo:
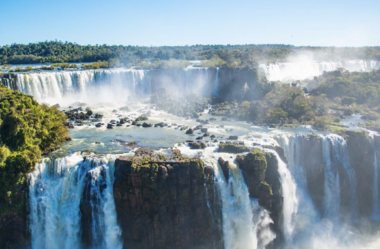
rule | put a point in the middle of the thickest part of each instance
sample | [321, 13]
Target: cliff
[165, 202]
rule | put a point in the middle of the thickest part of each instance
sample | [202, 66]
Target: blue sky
[167, 22]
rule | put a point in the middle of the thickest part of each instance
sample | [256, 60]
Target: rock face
[260, 171]
[361, 156]
[162, 202]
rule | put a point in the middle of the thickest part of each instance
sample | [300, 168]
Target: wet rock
[109, 126]
[206, 134]
[190, 131]
[232, 147]
[146, 125]
[118, 124]
[225, 167]
[233, 138]
[204, 130]
[197, 145]
[98, 125]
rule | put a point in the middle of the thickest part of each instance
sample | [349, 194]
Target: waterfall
[196, 80]
[85, 85]
[331, 184]
[290, 71]
[55, 191]
[215, 92]
[245, 224]
[375, 188]
[289, 193]
[339, 154]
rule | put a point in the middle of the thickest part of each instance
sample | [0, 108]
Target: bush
[27, 131]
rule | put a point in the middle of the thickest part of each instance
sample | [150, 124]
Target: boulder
[190, 131]
[146, 125]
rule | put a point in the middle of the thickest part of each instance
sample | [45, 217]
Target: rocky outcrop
[361, 155]
[232, 147]
[260, 171]
[162, 202]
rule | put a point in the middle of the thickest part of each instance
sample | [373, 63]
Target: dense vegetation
[220, 55]
[27, 130]
[337, 94]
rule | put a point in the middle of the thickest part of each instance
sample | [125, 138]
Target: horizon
[171, 23]
[192, 45]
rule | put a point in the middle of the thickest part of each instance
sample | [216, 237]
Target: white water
[340, 154]
[109, 85]
[325, 230]
[87, 85]
[215, 92]
[375, 188]
[245, 224]
[304, 69]
[290, 204]
[55, 191]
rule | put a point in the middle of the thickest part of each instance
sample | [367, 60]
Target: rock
[225, 167]
[204, 130]
[190, 131]
[157, 198]
[146, 125]
[197, 145]
[118, 124]
[260, 172]
[109, 126]
[233, 138]
[98, 125]
[199, 138]
[206, 134]
[212, 136]
[231, 147]
[138, 125]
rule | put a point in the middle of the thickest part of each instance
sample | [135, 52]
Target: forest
[213, 55]
[27, 131]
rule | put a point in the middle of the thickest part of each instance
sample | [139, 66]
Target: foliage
[27, 130]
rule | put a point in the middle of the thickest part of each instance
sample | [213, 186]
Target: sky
[168, 22]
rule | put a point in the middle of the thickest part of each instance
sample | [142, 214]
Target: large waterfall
[111, 85]
[290, 71]
[56, 191]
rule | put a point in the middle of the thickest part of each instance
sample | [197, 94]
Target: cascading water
[375, 188]
[331, 184]
[289, 189]
[245, 224]
[86, 85]
[290, 71]
[340, 154]
[55, 192]
[215, 92]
